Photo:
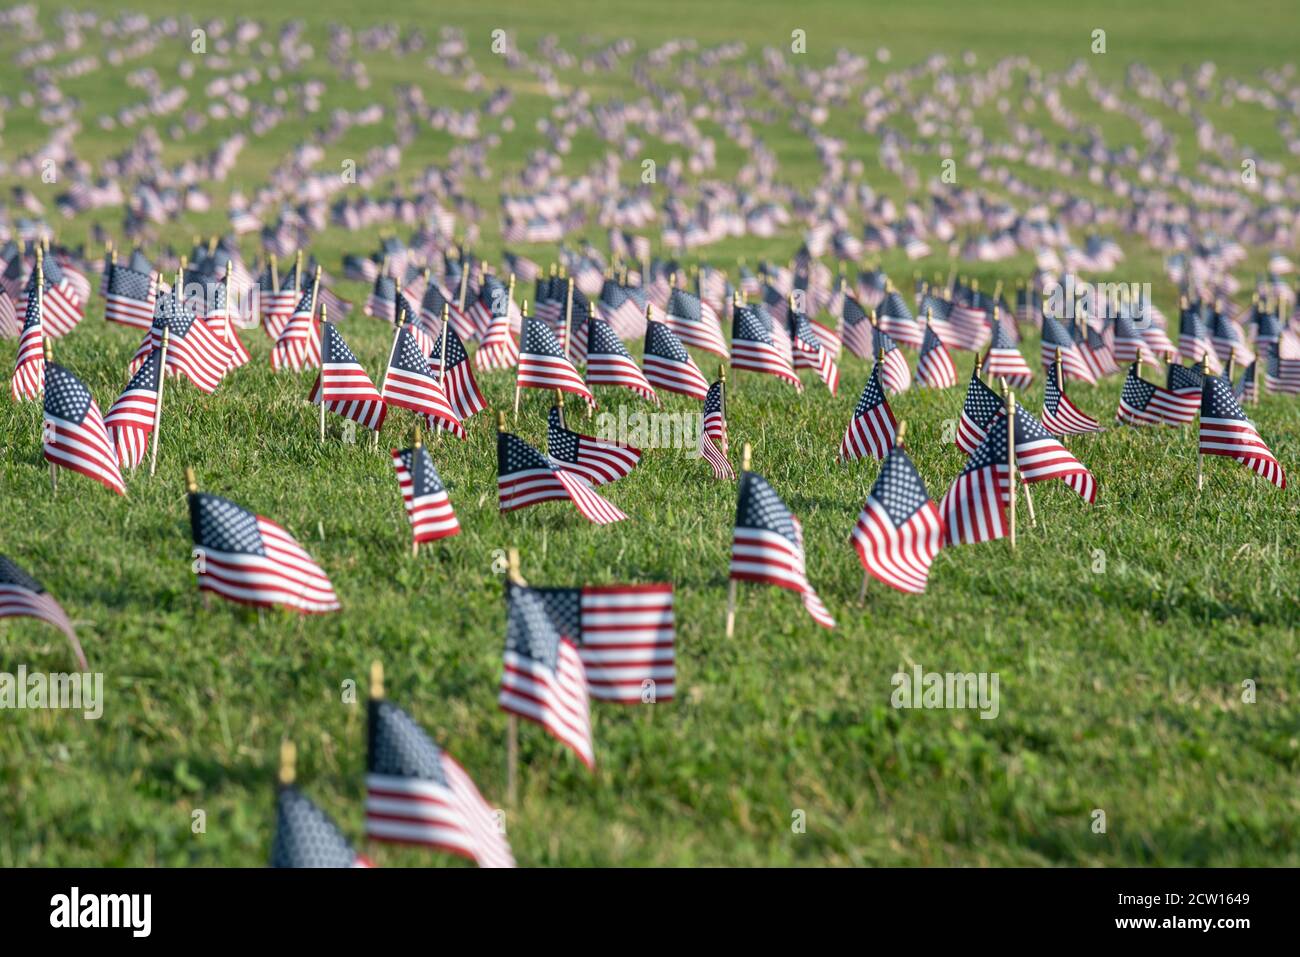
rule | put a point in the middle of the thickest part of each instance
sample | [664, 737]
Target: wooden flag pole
[512, 721]
[1011, 464]
[297, 274]
[158, 406]
[559, 404]
[722, 403]
[568, 316]
[417, 445]
[464, 283]
[519, 388]
[442, 359]
[288, 763]
[1060, 387]
[746, 454]
[275, 273]
[1029, 499]
[323, 313]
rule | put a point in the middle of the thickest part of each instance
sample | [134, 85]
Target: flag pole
[392, 350]
[1011, 463]
[442, 360]
[1029, 498]
[722, 402]
[323, 313]
[746, 454]
[192, 487]
[158, 406]
[54, 469]
[559, 404]
[464, 283]
[1060, 388]
[418, 444]
[568, 316]
[523, 315]
[512, 721]
[288, 761]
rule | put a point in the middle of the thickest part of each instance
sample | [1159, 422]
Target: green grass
[1120, 690]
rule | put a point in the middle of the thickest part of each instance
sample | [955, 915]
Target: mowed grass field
[1121, 632]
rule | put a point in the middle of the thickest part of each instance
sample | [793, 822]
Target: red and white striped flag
[899, 530]
[74, 433]
[427, 506]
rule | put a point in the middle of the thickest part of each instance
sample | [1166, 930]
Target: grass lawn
[1121, 632]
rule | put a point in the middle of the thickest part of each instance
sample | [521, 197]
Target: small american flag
[872, 429]
[130, 296]
[343, 384]
[767, 545]
[934, 368]
[598, 462]
[74, 433]
[306, 837]
[22, 596]
[299, 344]
[713, 434]
[457, 380]
[625, 635]
[754, 348]
[1129, 346]
[695, 322]
[609, 362]
[809, 353]
[1282, 375]
[1145, 403]
[382, 301]
[526, 477]
[899, 530]
[982, 405]
[620, 310]
[858, 332]
[427, 506]
[62, 310]
[1194, 342]
[9, 325]
[1225, 430]
[1060, 415]
[974, 508]
[130, 419]
[29, 369]
[410, 384]
[895, 375]
[669, 366]
[498, 348]
[192, 350]
[544, 679]
[1040, 456]
[543, 364]
[1073, 363]
[896, 320]
[416, 793]
[249, 559]
[1004, 361]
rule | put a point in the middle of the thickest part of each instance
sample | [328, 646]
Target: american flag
[457, 380]
[981, 407]
[1004, 361]
[1073, 363]
[895, 375]
[130, 419]
[1145, 403]
[1060, 415]
[382, 301]
[1225, 430]
[544, 679]
[249, 559]
[625, 635]
[1194, 342]
[1247, 389]
[767, 545]
[410, 384]
[543, 364]
[29, 369]
[873, 427]
[899, 530]
[969, 324]
[498, 348]
[1098, 352]
[754, 348]
[1282, 375]
[74, 433]
[1185, 383]
[343, 384]
[713, 434]
[61, 309]
[1040, 456]
[299, 344]
[695, 322]
[130, 297]
[416, 793]
[427, 506]
[220, 321]
[609, 362]
[1129, 346]
[526, 477]
[598, 462]
[934, 368]
[306, 837]
[858, 331]
[897, 320]
[669, 366]
[22, 596]
[974, 508]
[621, 311]
[9, 325]
[809, 353]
